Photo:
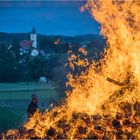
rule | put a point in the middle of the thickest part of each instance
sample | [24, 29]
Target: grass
[25, 86]
[11, 118]
[24, 91]
[14, 99]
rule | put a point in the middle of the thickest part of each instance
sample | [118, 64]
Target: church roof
[26, 44]
[33, 31]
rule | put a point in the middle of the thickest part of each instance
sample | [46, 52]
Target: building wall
[34, 39]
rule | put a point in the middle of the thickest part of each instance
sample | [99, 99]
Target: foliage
[8, 65]
[52, 67]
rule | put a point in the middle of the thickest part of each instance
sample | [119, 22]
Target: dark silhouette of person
[33, 106]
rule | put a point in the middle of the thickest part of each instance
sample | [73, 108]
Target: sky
[60, 17]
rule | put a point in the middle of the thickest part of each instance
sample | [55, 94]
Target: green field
[14, 99]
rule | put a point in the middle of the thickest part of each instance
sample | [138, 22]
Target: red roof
[26, 44]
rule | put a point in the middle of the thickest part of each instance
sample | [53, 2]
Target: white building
[33, 38]
[29, 47]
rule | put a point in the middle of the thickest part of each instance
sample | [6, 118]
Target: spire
[33, 31]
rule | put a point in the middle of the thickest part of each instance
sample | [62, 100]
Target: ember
[104, 101]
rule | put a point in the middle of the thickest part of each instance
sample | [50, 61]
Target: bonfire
[104, 99]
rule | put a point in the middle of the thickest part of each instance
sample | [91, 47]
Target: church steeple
[33, 31]
[33, 38]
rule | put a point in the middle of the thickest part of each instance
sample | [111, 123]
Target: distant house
[25, 46]
[29, 46]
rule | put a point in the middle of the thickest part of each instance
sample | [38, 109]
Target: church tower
[33, 38]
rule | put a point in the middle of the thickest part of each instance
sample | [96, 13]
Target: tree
[9, 71]
[15, 48]
[37, 68]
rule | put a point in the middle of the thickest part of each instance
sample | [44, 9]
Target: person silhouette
[33, 106]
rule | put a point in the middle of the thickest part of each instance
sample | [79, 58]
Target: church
[29, 46]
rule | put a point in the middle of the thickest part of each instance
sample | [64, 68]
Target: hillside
[96, 40]
[52, 68]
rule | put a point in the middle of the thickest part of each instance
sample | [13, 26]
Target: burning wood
[83, 125]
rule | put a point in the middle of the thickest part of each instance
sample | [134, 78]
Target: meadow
[15, 97]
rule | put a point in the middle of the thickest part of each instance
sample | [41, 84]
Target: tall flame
[120, 25]
[102, 86]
